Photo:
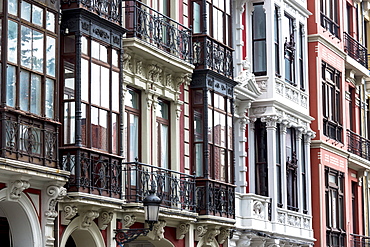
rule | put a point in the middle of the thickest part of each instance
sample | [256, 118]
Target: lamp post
[151, 210]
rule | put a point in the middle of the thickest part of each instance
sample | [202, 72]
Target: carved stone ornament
[224, 234]
[258, 209]
[128, 220]
[56, 193]
[181, 230]
[16, 189]
[104, 219]
[88, 218]
[158, 230]
[68, 213]
[127, 64]
[207, 236]
[244, 241]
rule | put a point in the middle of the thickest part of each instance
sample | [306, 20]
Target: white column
[283, 130]
[301, 162]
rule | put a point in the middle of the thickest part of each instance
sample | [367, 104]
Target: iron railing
[30, 140]
[215, 198]
[158, 30]
[211, 54]
[107, 9]
[93, 173]
[176, 189]
[359, 240]
[329, 25]
[335, 237]
[358, 145]
[355, 50]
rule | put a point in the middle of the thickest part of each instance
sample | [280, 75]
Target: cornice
[299, 7]
[322, 40]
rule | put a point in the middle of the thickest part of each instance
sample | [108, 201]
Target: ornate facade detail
[154, 72]
[128, 220]
[244, 241]
[259, 110]
[55, 193]
[16, 189]
[207, 236]
[104, 219]
[262, 85]
[127, 63]
[201, 231]
[139, 68]
[68, 213]
[182, 230]
[281, 218]
[224, 234]
[271, 121]
[258, 209]
[306, 224]
[158, 230]
[88, 218]
[279, 87]
[246, 76]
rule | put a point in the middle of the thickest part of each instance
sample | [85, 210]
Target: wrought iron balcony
[211, 54]
[359, 240]
[29, 139]
[215, 198]
[355, 50]
[93, 173]
[358, 145]
[107, 9]
[176, 189]
[156, 29]
[329, 25]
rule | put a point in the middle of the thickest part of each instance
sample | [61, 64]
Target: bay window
[291, 169]
[289, 50]
[163, 131]
[259, 40]
[132, 125]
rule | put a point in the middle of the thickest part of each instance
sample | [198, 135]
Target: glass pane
[38, 51]
[94, 49]
[50, 56]
[95, 127]
[230, 132]
[84, 47]
[103, 127]
[210, 126]
[37, 15]
[95, 84]
[104, 93]
[69, 83]
[115, 133]
[50, 21]
[103, 53]
[259, 53]
[164, 146]
[199, 159]
[24, 90]
[84, 80]
[196, 17]
[132, 99]
[259, 22]
[115, 58]
[10, 86]
[69, 122]
[49, 98]
[26, 11]
[35, 94]
[115, 91]
[162, 111]
[12, 41]
[12, 7]
[26, 46]
[198, 125]
[83, 123]
[134, 138]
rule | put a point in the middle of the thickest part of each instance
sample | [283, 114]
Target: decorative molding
[104, 219]
[16, 189]
[244, 241]
[223, 235]
[258, 209]
[88, 218]
[181, 230]
[56, 193]
[128, 220]
[207, 236]
[158, 231]
[68, 213]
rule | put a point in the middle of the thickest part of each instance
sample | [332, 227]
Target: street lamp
[151, 210]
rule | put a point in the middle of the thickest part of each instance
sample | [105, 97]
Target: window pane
[115, 91]
[210, 126]
[103, 53]
[12, 41]
[26, 46]
[132, 99]
[12, 7]
[38, 51]
[199, 159]
[198, 125]
[84, 47]
[50, 56]
[35, 94]
[24, 90]
[103, 127]
[162, 111]
[83, 123]
[37, 15]
[95, 84]
[26, 11]
[259, 53]
[104, 93]
[95, 127]
[95, 49]
[69, 122]
[134, 138]
[50, 21]
[164, 146]
[10, 86]
[115, 133]
[259, 22]
[49, 98]
[85, 80]
[115, 58]
[196, 17]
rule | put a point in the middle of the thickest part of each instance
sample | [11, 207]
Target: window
[99, 96]
[31, 66]
[260, 134]
[219, 20]
[278, 167]
[132, 125]
[289, 50]
[331, 102]
[198, 126]
[163, 133]
[304, 176]
[277, 41]
[329, 16]
[291, 169]
[334, 201]
[259, 40]
[300, 57]
[354, 207]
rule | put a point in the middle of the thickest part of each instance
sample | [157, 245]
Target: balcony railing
[215, 198]
[93, 173]
[210, 54]
[329, 25]
[359, 240]
[358, 145]
[29, 139]
[176, 189]
[107, 9]
[158, 30]
[355, 50]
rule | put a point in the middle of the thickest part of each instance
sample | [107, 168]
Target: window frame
[263, 70]
[162, 121]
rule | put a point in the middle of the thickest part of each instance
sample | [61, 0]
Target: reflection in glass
[134, 138]
[38, 51]
[115, 126]
[50, 21]
[95, 84]
[12, 41]
[37, 15]
[84, 45]
[104, 85]
[50, 56]
[26, 46]
[10, 86]
[35, 94]
[24, 89]
[12, 7]
[26, 11]
[115, 58]
[69, 122]
[85, 80]
[115, 91]
[49, 98]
